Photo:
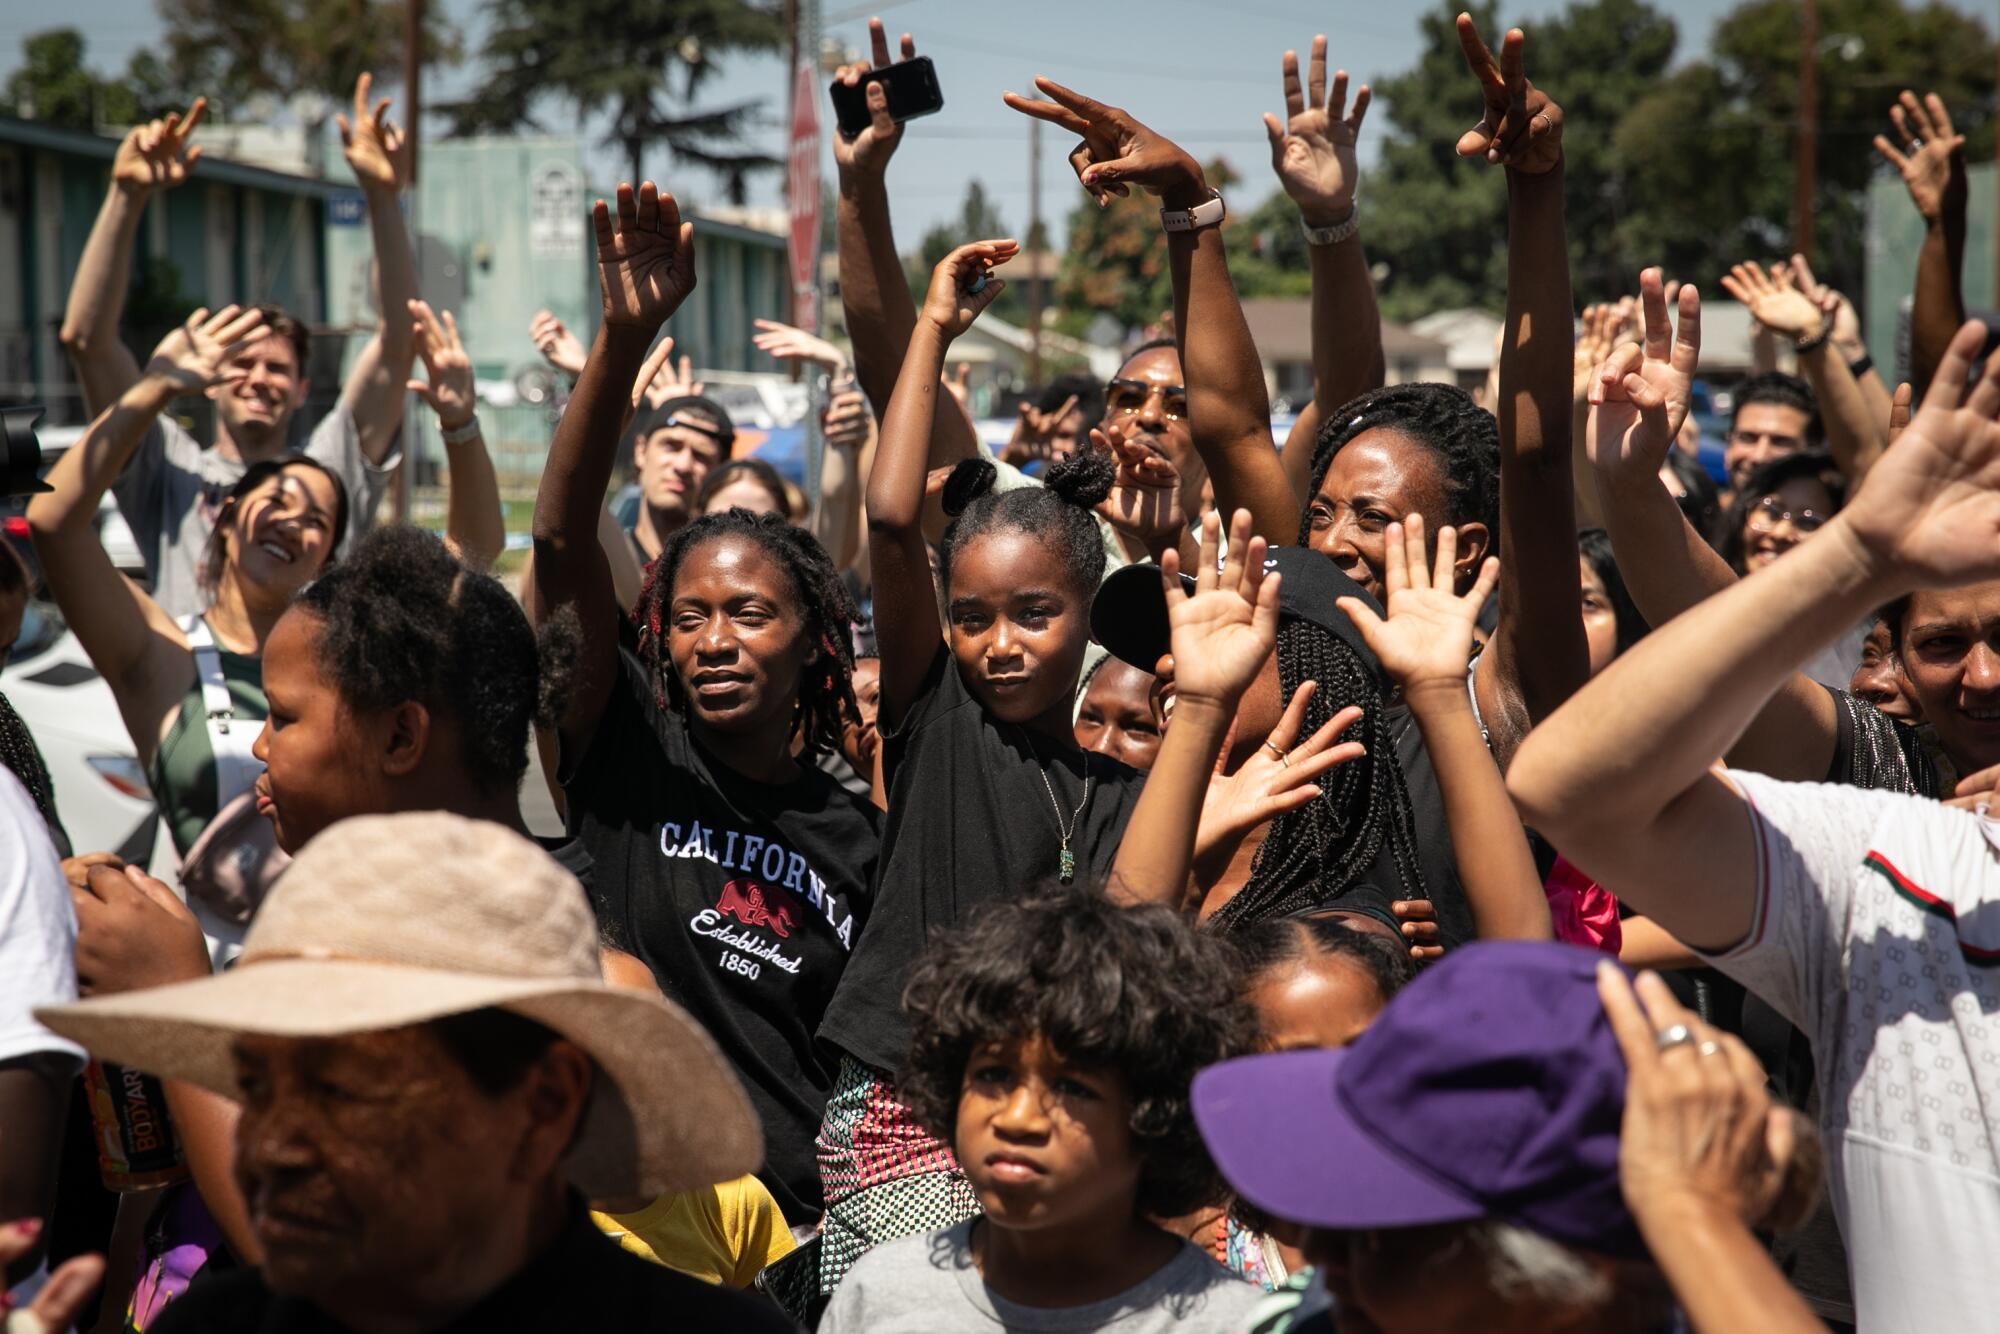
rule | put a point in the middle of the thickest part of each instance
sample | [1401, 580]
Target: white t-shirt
[37, 928]
[1877, 933]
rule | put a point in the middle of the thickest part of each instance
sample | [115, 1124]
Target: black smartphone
[912, 87]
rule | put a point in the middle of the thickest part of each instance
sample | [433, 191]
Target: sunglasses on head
[1128, 397]
[713, 432]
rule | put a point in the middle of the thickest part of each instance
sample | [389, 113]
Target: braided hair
[826, 691]
[1313, 854]
[403, 619]
[1058, 512]
[1463, 437]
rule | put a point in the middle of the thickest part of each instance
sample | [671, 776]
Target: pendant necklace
[1066, 862]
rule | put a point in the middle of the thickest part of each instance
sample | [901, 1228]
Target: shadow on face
[1018, 626]
[1118, 715]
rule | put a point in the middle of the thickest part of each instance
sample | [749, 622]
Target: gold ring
[1277, 754]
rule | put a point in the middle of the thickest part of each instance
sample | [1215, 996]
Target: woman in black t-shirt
[988, 790]
[730, 864]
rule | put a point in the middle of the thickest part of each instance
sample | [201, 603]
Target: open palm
[1932, 159]
[198, 354]
[1427, 637]
[1640, 396]
[1223, 632]
[645, 266]
[1930, 507]
[1313, 151]
[1774, 303]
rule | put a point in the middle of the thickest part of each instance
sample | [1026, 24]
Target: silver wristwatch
[1333, 233]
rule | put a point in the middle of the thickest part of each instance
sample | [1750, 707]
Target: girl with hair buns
[988, 789]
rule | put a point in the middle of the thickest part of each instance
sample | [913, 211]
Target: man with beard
[170, 492]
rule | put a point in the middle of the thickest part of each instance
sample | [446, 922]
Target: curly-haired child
[1056, 1038]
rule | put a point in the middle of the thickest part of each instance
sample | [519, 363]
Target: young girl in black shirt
[988, 790]
[736, 869]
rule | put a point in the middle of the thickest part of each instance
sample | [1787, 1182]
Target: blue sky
[1202, 71]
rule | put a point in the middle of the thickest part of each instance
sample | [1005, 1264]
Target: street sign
[803, 192]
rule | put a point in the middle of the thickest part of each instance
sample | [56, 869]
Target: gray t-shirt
[927, 1284]
[169, 494]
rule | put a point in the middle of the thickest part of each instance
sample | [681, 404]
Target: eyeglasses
[1129, 398]
[1769, 512]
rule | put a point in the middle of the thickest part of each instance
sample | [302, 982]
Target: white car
[101, 790]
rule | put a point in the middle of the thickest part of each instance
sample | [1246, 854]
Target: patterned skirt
[883, 1176]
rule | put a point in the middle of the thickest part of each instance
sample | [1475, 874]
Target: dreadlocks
[1314, 853]
[826, 692]
[1462, 436]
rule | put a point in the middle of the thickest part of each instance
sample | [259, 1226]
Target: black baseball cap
[20, 453]
[1129, 614]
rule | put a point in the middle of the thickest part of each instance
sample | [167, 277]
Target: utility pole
[413, 108]
[1805, 140]
[1034, 252]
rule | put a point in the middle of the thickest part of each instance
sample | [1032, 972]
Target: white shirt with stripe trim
[1877, 933]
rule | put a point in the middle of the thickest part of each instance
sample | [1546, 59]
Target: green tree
[1708, 154]
[1439, 222]
[52, 84]
[282, 48]
[1116, 261]
[642, 61]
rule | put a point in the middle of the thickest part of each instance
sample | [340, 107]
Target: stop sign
[803, 192]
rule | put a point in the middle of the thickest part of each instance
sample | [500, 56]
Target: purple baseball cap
[1491, 1086]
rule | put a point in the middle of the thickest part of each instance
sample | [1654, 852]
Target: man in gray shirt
[170, 492]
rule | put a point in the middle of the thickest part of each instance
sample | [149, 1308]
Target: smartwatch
[1205, 214]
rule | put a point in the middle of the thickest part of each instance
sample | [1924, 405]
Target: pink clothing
[1583, 910]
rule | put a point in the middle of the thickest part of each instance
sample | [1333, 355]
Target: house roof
[82, 143]
[1282, 328]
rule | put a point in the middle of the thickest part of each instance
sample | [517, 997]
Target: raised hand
[1427, 638]
[788, 344]
[1639, 398]
[373, 146]
[950, 305]
[198, 355]
[1281, 775]
[558, 346]
[1145, 499]
[61, 1297]
[1846, 321]
[869, 151]
[661, 379]
[1034, 433]
[1932, 159]
[1222, 634]
[1699, 1125]
[1928, 515]
[846, 419]
[450, 391]
[1774, 302]
[645, 268]
[1116, 151]
[156, 155]
[1519, 126]
[1313, 151]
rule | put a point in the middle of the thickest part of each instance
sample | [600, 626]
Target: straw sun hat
[393, 920]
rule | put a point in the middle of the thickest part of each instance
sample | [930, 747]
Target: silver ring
[1915, 143]
[1543, 117]
[1709, 1049]
[1678, 1035]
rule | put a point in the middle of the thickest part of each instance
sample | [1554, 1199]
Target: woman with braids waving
[738, 873]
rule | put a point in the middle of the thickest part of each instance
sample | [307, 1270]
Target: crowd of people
[1459, 867]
